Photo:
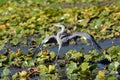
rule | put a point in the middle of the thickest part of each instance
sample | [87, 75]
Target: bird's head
[58, 25]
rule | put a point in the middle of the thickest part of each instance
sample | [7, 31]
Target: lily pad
[71, 67]
[84, 66]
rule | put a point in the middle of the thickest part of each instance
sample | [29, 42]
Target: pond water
[105, 44]
[85, 49]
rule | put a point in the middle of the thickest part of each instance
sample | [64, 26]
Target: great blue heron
[63, 39]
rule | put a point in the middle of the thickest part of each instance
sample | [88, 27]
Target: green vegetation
[20, 19]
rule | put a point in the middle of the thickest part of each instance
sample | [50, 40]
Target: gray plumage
[64, 39]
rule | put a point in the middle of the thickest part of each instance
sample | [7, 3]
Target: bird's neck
[62, 29]
[61, 32]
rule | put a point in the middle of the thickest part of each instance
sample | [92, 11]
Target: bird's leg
[58, 53]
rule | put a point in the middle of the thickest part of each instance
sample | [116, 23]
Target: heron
[64, 38]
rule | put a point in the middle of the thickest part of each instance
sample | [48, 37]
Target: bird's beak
[56, 24]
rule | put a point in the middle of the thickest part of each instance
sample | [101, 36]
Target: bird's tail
[37, 50]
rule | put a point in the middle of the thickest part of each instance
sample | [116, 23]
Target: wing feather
[88, 37]
[50, 39]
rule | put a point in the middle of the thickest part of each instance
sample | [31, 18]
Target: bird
[63, 38]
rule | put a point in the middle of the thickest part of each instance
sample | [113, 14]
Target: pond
[25, 49]
[105, 44]
[24, 24]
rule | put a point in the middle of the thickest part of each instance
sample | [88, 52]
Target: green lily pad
[6, 72]
[84, 66]
[43, 69]
[113, 65]
[51, 68]
[114, 50]
[71, 67]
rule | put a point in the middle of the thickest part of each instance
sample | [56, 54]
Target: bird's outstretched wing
[49, 39]
[97, 46]
[88, 37]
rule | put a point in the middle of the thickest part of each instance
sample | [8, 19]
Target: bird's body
[64, 38]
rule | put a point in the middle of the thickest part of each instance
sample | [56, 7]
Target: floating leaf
[18, 53]
[2, 26]
[14, 76]
[3, 58]
[31, 62]
[84, 66]
[113, 77]
[87, 57]
[114, 65]
[6, 72]
[51, 68]
[1, 44]
[43, 69]
[15, 41]
[108, 57]
[25, 63]
[73, 54]
[22, 73]
[100, 75]
[114, 50]
[11, 57]
[71, 67]
[0, 64]
[52, 55]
